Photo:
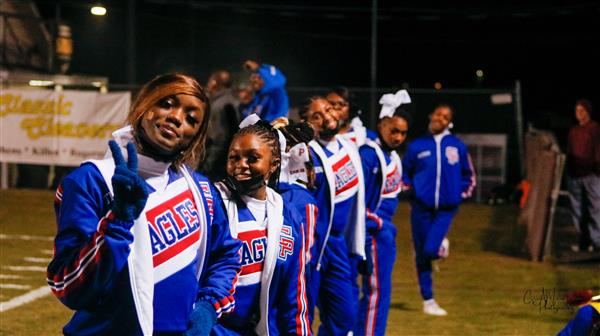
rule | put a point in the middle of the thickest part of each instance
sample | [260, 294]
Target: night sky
[551, 46]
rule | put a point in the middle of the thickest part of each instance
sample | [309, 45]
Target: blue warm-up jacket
[441, 174]
[271, 102]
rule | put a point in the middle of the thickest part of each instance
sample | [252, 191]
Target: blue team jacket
[89, 272]
[441, 175]
[271, 102]
[587, 316]
[299, 197]
[371, 155]
[283, 299]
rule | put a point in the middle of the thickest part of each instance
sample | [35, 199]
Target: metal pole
[373, 115]
[519, 122]
[131, 64]
[52, 58]
[4, 42]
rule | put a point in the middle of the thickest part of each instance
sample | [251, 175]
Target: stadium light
[437, 85]
[98, 10]
[479, 73]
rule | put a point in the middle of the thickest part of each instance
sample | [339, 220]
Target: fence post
[519, 124]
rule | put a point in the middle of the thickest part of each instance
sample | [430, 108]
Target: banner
[58, 128]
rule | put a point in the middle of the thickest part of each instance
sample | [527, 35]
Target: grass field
[487, 285]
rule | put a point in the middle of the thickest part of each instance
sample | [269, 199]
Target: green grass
[482, 284]
[28, 212]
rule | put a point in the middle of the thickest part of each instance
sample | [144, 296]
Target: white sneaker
[444, 250]
[430, 307]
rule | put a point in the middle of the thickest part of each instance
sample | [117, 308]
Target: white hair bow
[251, 119]
[293, 167]
[390, 102]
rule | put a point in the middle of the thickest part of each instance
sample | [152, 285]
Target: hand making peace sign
[130, 192]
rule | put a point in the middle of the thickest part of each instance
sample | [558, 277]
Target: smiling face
[321, 116]
[440, 119]
[249, 156]
[173, 123]
[393, 131]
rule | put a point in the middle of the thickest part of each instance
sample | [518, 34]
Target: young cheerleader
[383, 176]
[141, 248]
[438, 168]
[270, 293]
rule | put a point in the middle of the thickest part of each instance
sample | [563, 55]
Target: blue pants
[429, 227]
[332, 288]
[377, 288]
[585, 208]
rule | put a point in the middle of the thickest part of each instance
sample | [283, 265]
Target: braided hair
[297, 132]
[270, 138]
[300, 132]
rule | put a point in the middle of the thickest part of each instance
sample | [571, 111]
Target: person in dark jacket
[224, 118]
[583, 168]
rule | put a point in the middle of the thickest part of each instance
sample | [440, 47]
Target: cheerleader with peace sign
[143, 245]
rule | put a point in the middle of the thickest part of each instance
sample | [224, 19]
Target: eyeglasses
[337, 104]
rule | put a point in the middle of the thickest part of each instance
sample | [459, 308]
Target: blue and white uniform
[439, 170]
[340, 232]
[271, 102]
[147, 279]
[587, 318]
[383, 183]
[271, 290]
[292, 187]
[357, 133]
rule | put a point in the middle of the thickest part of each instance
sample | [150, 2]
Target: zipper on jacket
[438, 171]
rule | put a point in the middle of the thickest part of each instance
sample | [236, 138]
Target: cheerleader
[141, 248]
[438, 169]
[339, 192]
[382, 169]
[270, 293]
[351, 127]
[295, 182]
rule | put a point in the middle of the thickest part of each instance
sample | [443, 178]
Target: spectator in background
[224, 118]
[270, 100]
[583, 168]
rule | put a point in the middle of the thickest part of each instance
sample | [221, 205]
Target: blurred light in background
[479, 73]
[36, 82]
[98, 9]
[437, 85]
